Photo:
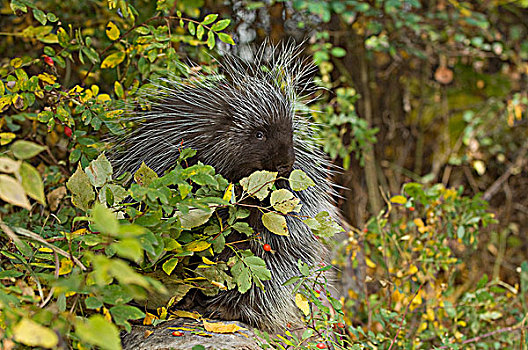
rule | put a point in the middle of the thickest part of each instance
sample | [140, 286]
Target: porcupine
[251, 117]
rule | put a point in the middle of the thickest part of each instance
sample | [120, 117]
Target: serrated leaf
[30, 333]
[112, 32]
[284, 201]
[25, 149]
[113, 60]
[12, 192]
[226, 38]
[220, 25]
[259, 183]
[144, 175]
[99, 171]
[302, 303]
[299, 181]
[81, 189]
[276, 223]
[98, 331]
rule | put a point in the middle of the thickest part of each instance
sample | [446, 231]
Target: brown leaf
[55, 196]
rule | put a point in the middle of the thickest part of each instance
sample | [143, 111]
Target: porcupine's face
[260, 136]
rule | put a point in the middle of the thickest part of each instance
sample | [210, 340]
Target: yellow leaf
[419, 222]
[31, 333]
[413, 269]
[219, 327]
[187, 314]
[302, 303]
[197, 246]
[45, 250]
[103, 98]
[147, 321]
[370, 263]
[16, 62]
[207, 261]
[112, 32]
[12, 192]
[398, 199]
[47, 78]
[5, 102]
[65, 266]
[113, 60]
[228, 193]
[5, 137]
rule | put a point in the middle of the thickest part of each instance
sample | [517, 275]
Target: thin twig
[489, 334]
[34, 236]
[405, 314]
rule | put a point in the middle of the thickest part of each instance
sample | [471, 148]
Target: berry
[321, 346]
[411, 208]
[48, 60]
[365, 230]
[177, 333]
[341, 325]
[266, 247]
[67, 131]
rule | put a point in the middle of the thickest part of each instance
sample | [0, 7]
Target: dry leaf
[219, 327]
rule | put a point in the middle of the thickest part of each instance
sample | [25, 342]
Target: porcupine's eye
[259, 135]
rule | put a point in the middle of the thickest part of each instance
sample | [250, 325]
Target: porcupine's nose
[286, 163]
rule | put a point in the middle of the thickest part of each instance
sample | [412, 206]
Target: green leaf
[81, 189]
[99, 332]
[8, 165]
[93, 303]
[144, 175]
[259, 183]
[210, 40]
[284, 201]
[323, 225]
[12, 192]
[242, 276]
[220, 25]
[276, 223]
[338, 52]
[129, 248]
[122, 313]
[104, 220]
[192, 28]
[169, 265]
[30, 333]
[113, 60]
[25, 149]
[299, 181]
[40, 16]
[32, 183]
[209, 19]
[196, 217]
[200, 32]
[99, 171]
[226, 38]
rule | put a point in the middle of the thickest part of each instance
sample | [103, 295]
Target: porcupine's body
[246, 120]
